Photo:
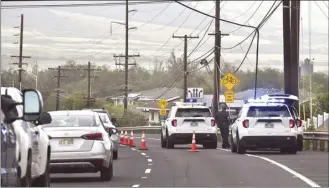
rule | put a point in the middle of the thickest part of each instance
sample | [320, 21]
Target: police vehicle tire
[233, 146]
[240, 148]
[169, 144]
[107, 173]
[292, 150]
[27, 179]
[163, 142]
[115, 155]
[300, 144]
[44, 179]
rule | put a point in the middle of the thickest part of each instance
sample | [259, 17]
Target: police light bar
[189, 104]
[280, 96]
[269, 100]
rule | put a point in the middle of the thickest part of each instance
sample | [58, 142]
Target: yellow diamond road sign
[229, 81]
[163, 112]
[229, 96]
[162, 103]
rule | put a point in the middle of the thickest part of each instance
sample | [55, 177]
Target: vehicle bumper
[186, 138]
[76, 162]
[257, 142]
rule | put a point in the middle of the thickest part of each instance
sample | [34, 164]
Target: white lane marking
[300, 176]
[149, 160]
[150, 164]
[143, 153]
[133, 149]
[147, 171]
[294, 173]
[136, 185]
[144, 177]
[148, 138]
[146, 156]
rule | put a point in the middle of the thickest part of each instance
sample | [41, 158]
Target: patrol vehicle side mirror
[45, 118]
[32, 105]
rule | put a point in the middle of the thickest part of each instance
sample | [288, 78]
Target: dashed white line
[150, 164]
[147, 171]
[147, 156]
[149, 160]
[144, 177]
[133, 149]
[143, 153]
[136, 185]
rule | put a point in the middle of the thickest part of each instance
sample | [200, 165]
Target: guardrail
[316, 141]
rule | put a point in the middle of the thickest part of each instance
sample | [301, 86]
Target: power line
[165, 8]
[321, 10]
[201, 39]
[245, 10]
[83, 5]
[325, 4]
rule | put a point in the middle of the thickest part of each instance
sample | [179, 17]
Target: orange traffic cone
[143, 143]
[193, 147]
[122, 138]
[125, 142]
[132, 143]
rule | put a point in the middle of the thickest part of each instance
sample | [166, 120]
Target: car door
[4, 164]
[35, 138]
[11, 156]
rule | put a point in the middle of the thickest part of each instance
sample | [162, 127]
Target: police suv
[186, 118]
[290, 101]
[264, 124]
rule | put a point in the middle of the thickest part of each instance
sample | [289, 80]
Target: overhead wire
[247, 10]
[165, 8]
[321, 9]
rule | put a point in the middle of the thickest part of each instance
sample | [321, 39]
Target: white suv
[34, 147]
[186, 118]
[263, 125]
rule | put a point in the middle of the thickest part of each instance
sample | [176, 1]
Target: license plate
[269, 125]
[194, 124]
[66, 141]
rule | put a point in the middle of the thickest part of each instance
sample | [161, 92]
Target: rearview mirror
[44, 119]
[32, 105]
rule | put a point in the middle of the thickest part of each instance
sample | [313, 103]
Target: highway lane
[128, 170]
[178, 167]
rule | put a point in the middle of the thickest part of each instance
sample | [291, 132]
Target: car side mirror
[45, 118]
[114, 131]
[32, 105]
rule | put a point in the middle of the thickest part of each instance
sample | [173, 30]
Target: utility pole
[126, 56]
[59, 76]
[286, 46]
[185, 60]
[89, 69]
[20, 56]
[217, 52]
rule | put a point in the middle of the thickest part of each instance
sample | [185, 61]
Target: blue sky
[54, 35]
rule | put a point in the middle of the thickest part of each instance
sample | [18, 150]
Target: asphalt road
[158, 167]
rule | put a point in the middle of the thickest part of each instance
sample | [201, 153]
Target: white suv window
[268, 111]
[193, 112]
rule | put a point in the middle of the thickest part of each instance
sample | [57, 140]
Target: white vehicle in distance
[290, 101]
[186, 118]
[79, 144]
[264, 124]
[34, 145]
[112, 131]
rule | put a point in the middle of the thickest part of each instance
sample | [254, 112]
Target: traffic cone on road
[193, 147]
[131, 142]
[143, 143]
[126, 139]
[122, 139]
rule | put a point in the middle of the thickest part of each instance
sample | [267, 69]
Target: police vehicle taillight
[213, 123]
[291, 123]
[174, 123]
[245, 123]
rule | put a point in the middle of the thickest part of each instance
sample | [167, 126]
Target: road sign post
[163, 103]
[194, 93]
[163, 112]
[229, 96]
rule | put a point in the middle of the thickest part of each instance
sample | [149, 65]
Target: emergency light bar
[269, 100]
[189, 104]
[280, 96]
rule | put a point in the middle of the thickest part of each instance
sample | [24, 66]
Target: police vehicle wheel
[300, 144]
[240, 148]
[233, 146]
[292, 150]
[163, 142]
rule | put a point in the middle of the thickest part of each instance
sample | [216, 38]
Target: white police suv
[186, 118]
[290, 101]
[264, 124]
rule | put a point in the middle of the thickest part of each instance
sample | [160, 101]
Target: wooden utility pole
[294, 48]
[59, 76]
[185, 60]
[217, 50]
[89, 98]
[20, 56]
[286, 46]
